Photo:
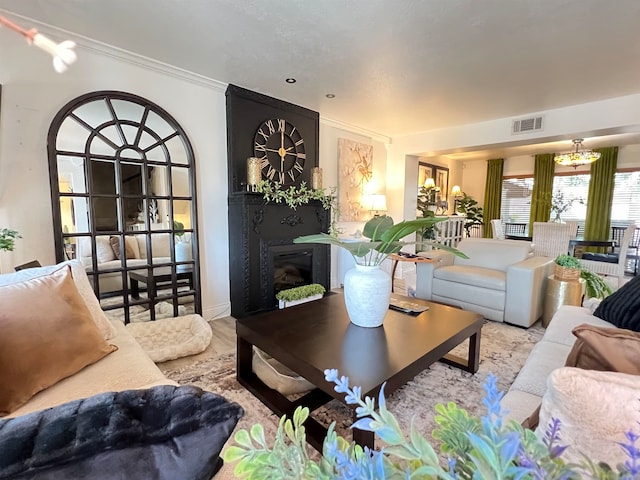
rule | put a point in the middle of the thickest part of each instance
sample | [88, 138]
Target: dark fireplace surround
[260, 235]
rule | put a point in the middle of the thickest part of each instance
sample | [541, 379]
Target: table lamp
[457, 193]
[377, 204]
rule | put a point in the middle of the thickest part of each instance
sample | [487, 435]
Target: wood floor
[222, 341]
[224, 336]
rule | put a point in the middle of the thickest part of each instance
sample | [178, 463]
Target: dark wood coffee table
[314, 336]
[157, 278]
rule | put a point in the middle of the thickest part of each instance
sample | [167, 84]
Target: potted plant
[569, 268]
[468, 207]
[560, 204]
[367, 288]
[487, 447]
[8, 239]
[182, 246]
[296, 295]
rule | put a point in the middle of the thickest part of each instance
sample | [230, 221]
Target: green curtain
[543, 171]
[600, 196]
[492, 193]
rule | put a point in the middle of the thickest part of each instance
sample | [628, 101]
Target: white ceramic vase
[367, 290]
[183, 254]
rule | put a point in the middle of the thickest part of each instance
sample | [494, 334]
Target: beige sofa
[527, 390]
[129, 367]
[107, 258]
[500, 280]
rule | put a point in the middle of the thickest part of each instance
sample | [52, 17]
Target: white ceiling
[395, 67]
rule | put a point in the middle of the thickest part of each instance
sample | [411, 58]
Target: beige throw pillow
[595, 410]
[130, 247]
[46, 334]
[82, 283]
[104, 252]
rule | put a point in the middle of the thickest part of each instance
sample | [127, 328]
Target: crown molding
[355, 129]
[116, 53]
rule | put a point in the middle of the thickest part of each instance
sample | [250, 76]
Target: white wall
[33, 93]
[329, 135]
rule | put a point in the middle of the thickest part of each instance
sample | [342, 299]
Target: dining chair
[496, 227]
[551, 239]
[611, 264]
[573, 228]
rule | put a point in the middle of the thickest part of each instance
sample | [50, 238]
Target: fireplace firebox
[262, 256]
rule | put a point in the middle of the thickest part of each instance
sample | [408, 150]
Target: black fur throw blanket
[164, 432]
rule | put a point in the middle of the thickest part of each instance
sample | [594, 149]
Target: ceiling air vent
[525, 125]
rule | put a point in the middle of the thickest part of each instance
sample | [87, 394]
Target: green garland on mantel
[294, 197]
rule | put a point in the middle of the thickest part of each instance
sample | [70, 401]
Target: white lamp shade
[429, 183]
[455, 190]
[375, 202]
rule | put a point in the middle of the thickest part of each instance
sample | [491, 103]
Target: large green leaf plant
[382, 238]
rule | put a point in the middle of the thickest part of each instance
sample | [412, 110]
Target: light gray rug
[504, 349]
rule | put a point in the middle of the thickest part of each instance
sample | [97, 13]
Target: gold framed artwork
[440, 176]
[442, 181]
[355, 162]
[424, 171]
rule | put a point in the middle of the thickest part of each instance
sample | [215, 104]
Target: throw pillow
[605, 349]
[622, 308]
[130, 247]
[46, 334]
[164, 432]
[602, 349]
[82, 284]
[595, 410]
[104, 252]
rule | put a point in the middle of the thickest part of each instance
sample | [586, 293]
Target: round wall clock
[280, 147]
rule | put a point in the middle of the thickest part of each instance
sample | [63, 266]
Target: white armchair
[501, 279]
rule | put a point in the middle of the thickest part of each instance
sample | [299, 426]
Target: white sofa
[525, 394]
[501, 279]
[107, 259]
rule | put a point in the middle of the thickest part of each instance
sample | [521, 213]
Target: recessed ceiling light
[290, 80]
[330, 95]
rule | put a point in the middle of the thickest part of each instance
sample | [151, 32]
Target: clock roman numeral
[292, 174]
[297, 166]
[301, 155]
[264, 162]
[293, 129]
[263, 135]
[299, 142]
[281, 177]
[270, 127]
[260, 148]
[281, 123]
[271, 172]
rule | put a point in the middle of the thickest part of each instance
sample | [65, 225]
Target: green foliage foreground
[476, 448]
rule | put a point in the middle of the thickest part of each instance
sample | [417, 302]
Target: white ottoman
[171, 338]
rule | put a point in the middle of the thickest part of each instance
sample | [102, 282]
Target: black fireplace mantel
[258, 230]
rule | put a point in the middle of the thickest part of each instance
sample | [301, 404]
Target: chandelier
[577, 157]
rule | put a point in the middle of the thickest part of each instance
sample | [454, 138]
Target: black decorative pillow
[164, 432]
[622, 308]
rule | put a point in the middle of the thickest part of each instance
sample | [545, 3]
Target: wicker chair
[496, 227]
[611, 264]
[551, 239]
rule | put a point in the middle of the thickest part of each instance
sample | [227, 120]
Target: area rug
[503, 351]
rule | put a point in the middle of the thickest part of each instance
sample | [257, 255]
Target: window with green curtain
[543, 170]
[492, 193]
[600, 197]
